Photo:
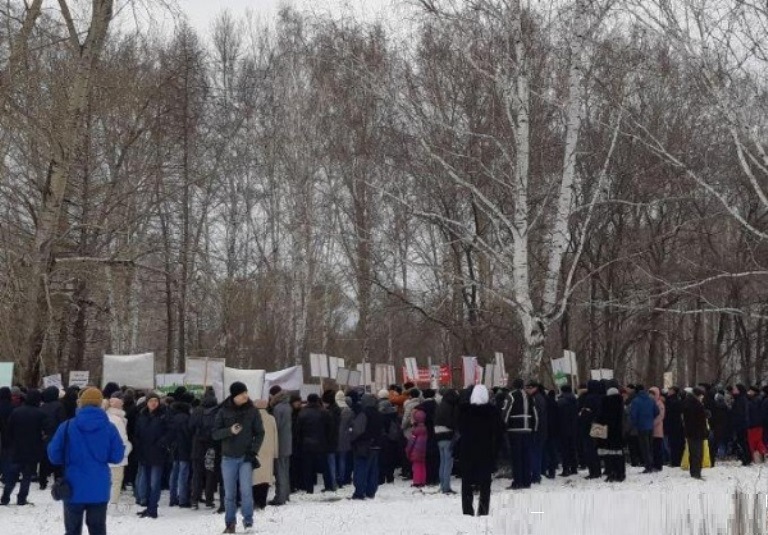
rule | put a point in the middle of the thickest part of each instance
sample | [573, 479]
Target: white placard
[168, 382]
[79, 379]
[318, 365]
[202, 373]
[489, 376]
[366, 371]
[289, 379]
[253, 379]
[135, 371]
[355, 378]
[381, 374]
[469, 367]
[53, 380]
[601, 373]
[412, 369]
[570, 366]
[306, 390]
[6, 374]
[500, 379]
[334, 363]
[342, 376]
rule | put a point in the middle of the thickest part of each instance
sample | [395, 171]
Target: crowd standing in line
[104, 442]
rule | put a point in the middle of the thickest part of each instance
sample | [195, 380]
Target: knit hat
[152, 395]
[91, 397]
[383, 394]
[275, 390]
[237, 388]
[116, 402]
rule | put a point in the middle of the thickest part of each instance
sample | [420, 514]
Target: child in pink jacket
[416, 450]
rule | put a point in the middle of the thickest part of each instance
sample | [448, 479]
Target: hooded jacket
[416, 450]
[180, 431]
[92, 443]
[367, 428]
[201, 427]
[643, 411]
[28, 428]
[53, 409]
[249, 439]
[447, 416]
[152, 436]
[117, 417]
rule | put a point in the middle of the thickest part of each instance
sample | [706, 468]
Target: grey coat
[282, 411]
[345, 430]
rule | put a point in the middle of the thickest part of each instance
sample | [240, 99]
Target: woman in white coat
[264, 476]
[116, 415]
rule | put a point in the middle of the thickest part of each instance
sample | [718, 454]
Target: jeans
[179, 483]
[282, 479]
[446, 464]
[333, 471]
[152, 479]
[139, 491]
[343, 474]
[11, 476]
[537, 456]
[237, 473]
[95, 518]
[366, 475]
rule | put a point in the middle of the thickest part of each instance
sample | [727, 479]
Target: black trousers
[658, 453]
[46, 470]
[695, 456]
[260, 493]
[676, 447]
[741, 439]
[520, 448]
[467, 497]
[644, 441]
[568, 454]
[203, 481]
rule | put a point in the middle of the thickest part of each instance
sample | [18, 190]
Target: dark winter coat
[367, 428]
[589, 406]
[568, 416]
[446, 416]
[482, 431]
[520, 415]
[93, 442]
[315, 429]
[740, 412]
[719, 419]
[180, 431]
[28, 427]
[553, 417]
[248, 441]
[201, 423]
[694, 419]
[334, 412]
[152, 439]
[6, 408]
[282, 411]
[611, 414]
[345, 430]
[53, 408]
[756, 412]
[540, 402]
[673, 417]
[643, 411]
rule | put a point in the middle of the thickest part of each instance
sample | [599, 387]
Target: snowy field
[668, 503]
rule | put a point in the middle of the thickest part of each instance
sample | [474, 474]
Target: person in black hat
[239, 428]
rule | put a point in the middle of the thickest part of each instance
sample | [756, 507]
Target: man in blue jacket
[86, 445]
[642, 412]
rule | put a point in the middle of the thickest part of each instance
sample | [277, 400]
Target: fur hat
[613, 391]
[383, 394]
[91, 397]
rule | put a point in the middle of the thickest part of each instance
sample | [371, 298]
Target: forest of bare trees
[591, 175]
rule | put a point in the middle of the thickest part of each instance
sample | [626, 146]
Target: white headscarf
[479, 395]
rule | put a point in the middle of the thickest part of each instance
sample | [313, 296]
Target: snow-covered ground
[641, 505]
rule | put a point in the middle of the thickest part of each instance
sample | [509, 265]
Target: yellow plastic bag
[706, 460]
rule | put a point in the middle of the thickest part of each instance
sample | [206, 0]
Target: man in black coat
[673, 426]
[521, 420]
[56, 414]
[315, 432]
[740, 422]
[589, 407]
[366, 439]
[151, 442]
[205, 469]
[181, 448]
[6, 408]
[27, 428]
[696, 432]
[568, 419]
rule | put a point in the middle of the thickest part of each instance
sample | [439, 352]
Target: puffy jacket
[152, 438]
[643, 411]
[92, 443]
[117, 418]
[694, 418]
[53, 409]
[248, 440]
[180, 431]
[315, 429]
[416, 451]
[447, 416]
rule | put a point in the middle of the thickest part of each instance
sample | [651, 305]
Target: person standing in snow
[589, 407]
[446, 422]
[755, 429]
[643, 411]
[481, 432]
[116, 415]
[205, 469]
[673, 426]
[85, 446]
[240, 430]
[568, 418]
[366, 436]
[740, 422]
[152, 440]
[264, 475]
[281, 410]
[521, 420]
[54, 411]
[611, 448]
[417, 448]
[657, 446]
[696, 432]
[344, 447]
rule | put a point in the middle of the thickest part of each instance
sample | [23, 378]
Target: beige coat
[267, 452]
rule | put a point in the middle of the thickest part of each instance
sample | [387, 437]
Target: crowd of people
[105, 442]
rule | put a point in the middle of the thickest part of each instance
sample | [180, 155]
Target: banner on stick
[318, 365]
[253, 379]
[6, 374]
[79, 379]
[602, 373]
[423, 376]
[53, 380]
[342, 377]
[135, 371]
[469, 371]
[168, 382]
[202, 373]
[289, 379]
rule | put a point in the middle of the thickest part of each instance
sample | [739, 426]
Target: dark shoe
[610, 479]
[24, 503]
[195, 507]
[593, 476]
[185, 506]
[449, 491]
[229, 529]
[275, 503]
[247, 525]
[647, 471]
[147, 514]
[141, 513]
[173, 504]
[220, 510]
[210, 505]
